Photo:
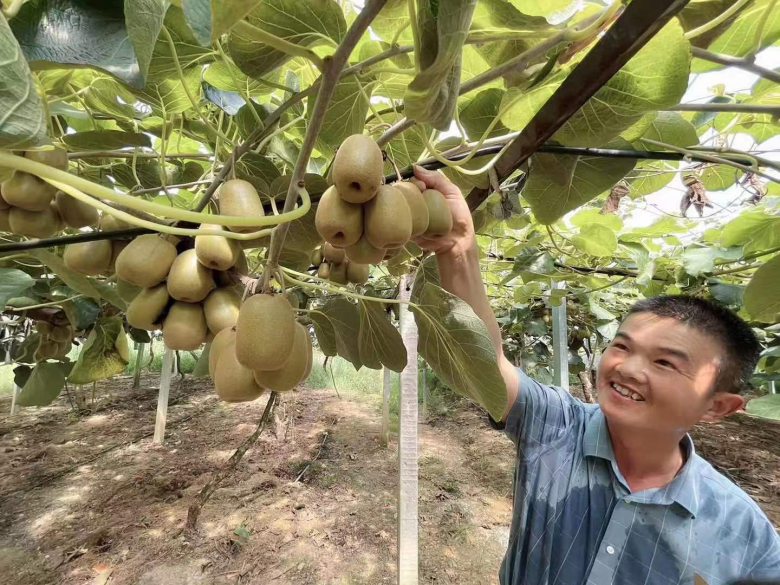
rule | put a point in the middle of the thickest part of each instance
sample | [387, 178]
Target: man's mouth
[627, 392]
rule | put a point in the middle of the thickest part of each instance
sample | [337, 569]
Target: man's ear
[723, 404]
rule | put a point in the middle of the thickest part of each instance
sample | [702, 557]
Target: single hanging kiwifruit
[388, 221]
[337, 221]
[323, 271]
[184, 328]
[53, 157]
[221, 308]
[75, 213]
[316, 257]
[358, 273]
[338, 272]
[146, 309]
[292, 372]
[364, 253]
[232, 381]
[333, 254]
[417, 207]
[188, 279]
[219, 343]
[216, 252]
[34, 224]
[265, 332]
[357, 168]
[90, 258]
[439, 214]
[240, 198]
[27, 191]
[145, 261]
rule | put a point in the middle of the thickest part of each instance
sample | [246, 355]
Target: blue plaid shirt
[576, 521]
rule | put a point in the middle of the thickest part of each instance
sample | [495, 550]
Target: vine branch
[730, 61]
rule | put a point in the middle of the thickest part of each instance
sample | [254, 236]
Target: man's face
[657, 375]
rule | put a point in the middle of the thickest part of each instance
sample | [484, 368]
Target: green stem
[335, 289]
[735, 270]
[760, 31]
[42, 305]
[258, 34]
[717, 21]
[415, 32]
[575, 35]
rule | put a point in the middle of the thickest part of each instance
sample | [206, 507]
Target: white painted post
[408, 566]
[425, 393]
[772, 388]
[138, 360]
[384, 375]
[162, 399]
[560, 344]
[16, 389]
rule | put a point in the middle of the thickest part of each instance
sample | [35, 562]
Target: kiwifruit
[189, 280]
[358, 273]
[108, 223]
[61, 333]
[291, 373]
[57, 157]
[239, 197]
[121, 345]
[27, 191]
[418, 183]
[333, 254]
[223, 278]
[46, 349]
[35, 224]
[3, 203]
[338, 273]
[184, 328]
[145, 261]
[221, 309]
[316, 257]
[309, 361]
[337, 221]
[392, 253]
[417, 207]
[5, 220]
[388, 221]
[265, 332]
[44, 328]
[75, 213]
[63, 349]
[146, 309]
[232, 381]
[216, 252]
[364, 253]
[126, 291]
[357, 169]
[323, 271]
[116, 249]
[219, 343]
[90, 258]
[439, 214]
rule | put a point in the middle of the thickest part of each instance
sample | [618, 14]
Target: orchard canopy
[121, 120]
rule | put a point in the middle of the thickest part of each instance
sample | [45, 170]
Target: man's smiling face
[658, 375]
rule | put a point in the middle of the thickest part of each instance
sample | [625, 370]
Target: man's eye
[665, 363]
[619, 346]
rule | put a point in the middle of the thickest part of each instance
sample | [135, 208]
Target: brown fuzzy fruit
[265, 332]
[323, 271]
[333, 254]
[292, 372]
[388, 220]
[417, 207]
[357, 169]
[219, 343]
[364, 253]
[3, 203]
[216, 252]
[109, 223]
[145, 261]
[358, 273]
[146, 309]
[90, 258]
[189, 280]
[337, 221]
[232, 381]
[184, 328]
[240, 198]
[27, 191]
[221, 308]
[316, 257]
[57, 157]
[338, 273]
[439, 214]
[75, 213]
[35, 224]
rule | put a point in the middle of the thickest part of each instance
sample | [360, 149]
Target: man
[614, 492]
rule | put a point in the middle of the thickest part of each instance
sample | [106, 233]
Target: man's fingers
[435, 180]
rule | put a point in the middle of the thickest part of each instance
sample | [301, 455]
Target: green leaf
[188, 49]
[593, 215]
[79, 33]
[143, 20]
[23, 122]
[326, 334]
[547, 8]
[407, 147]
[302, 234]
[380, 343]
[74, 280]
[457, 345]
[477, 114]
[210, 19]
[258, 170]
[101, 97]
[201, 369]
[228, 77]
[719, 177]
[671, 128]
[45, 383]
[595, 239]
[302, 23]
[346, 113]
[106, 140]
[169, 96]
[101, 355]
[390, 19]
[767, 406]
[559, 184]
[109, 292]
[645, 267]
[762, 295]
[340, 317]
[754, 229]
[697, 260]
[12, 283]
[392, 85]
[658, 229]
[650, 177]
[728, 294]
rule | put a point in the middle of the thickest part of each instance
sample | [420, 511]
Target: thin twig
[730, 61]
[317, 456]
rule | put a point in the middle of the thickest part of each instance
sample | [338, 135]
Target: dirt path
[123, 512]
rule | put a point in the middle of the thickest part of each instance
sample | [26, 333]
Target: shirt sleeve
[540, 415]
[766, 558]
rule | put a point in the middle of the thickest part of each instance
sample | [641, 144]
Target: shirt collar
[682, 490]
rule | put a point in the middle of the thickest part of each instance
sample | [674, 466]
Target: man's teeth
[627, 393]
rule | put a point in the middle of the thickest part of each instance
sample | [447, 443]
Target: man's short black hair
[740, 345]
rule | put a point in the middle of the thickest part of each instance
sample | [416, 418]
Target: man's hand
[461, 237]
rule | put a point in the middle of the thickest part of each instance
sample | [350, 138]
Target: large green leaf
[45, 383]
[210, 19]
[346, 113]
[658, 229]
[81, 33]
[760, 126]
[101, 356]
[392, 85]
[699, 259]
[106, 140]
[547, 8]
[719, 177]
[22, 122]
[380, 343]
[767, 406]
[593, 215]
[457, 345]
[644, 265]
[144, 19]
[559, 184]
[754, 229]
[303, 23]
[595, 239]
[390, 19]
[169, 96]
[407, 147]
[101, 97]
[258, 170]
[12, 283]
[477, 114]
[671, 128]
[228, 77]
[189, 52]
[74, 280]
[339, 323]
[649, 177]
[762, 295]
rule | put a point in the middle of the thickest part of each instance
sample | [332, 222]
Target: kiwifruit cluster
[266, 350]
[332, 264]
[31, 207]
[55, 341]
[369, 221]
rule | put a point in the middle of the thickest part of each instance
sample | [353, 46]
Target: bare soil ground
[88, 499]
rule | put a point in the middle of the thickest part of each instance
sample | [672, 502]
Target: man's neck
[646, 462]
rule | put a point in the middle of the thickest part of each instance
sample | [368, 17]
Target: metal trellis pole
[560, 344]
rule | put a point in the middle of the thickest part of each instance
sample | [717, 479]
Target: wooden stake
[138, 361]
[162, 399]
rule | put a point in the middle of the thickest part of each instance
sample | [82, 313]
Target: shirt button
[611, 549]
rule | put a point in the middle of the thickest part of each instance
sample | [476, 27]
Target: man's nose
[633, 368]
